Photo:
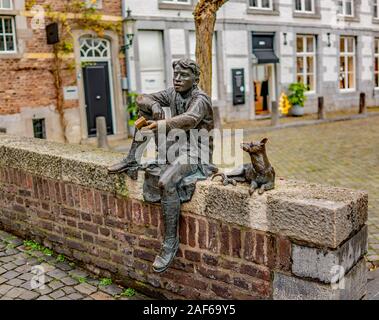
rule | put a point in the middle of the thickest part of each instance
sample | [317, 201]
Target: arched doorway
[95, 58]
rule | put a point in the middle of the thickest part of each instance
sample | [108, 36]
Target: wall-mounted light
[129, 29]
[329, 43]
[285, 38]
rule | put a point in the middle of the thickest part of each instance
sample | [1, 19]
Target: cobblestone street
[21, 268]
[343, 154]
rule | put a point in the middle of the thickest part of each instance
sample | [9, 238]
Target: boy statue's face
[184, 79]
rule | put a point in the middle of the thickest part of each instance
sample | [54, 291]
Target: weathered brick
[71, 223]
[83, 199]
[236, 243]
[241, 282]
[255, 271]
[146, 214]
[90, 201]
[249, 244]
[150, 244]
[183, 229]
[137, 213]
[104, 204]
[76, 245]
[192, 255]
[76, 196]
[270, 251]
[192, 231]
[87, 237]
[97, 202]
[221, 291]
[88, 227]
[121, 208]
[213, 237]
[225, 240]
[72, 233]
[110, 244]
[283, 254]
[144, 255]
[98, 220]
[202, 234]
[105, 232]
[259, 248]
[85, 216]
[214, 274]
[112, 207]
[155, 213]
[210, 260]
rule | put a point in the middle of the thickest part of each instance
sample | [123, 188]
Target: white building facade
[261, 47]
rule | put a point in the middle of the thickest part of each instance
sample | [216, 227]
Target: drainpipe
[123, 8]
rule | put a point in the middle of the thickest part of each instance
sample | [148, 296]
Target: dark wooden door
[98, 95]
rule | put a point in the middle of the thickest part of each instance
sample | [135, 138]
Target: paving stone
[78, 273]
[29, 295]
[69, 281]
[57, 274]
[68, 290]
[2, 270]
[57, 294]
[75, 296]
[55, 284]
[112, 289]
[101, 296]
[64, 266]
[9, 266]
[10, 275]
[15, 292]
[15, 282]
[2, 280]
[44, 298]
[85, 288]
[4, 288]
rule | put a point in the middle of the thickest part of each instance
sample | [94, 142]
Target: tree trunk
[205, 20]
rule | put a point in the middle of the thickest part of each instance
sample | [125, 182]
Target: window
[345, 8]
[39, 129]
[376, 72]
[6, 4]
[376, 9]
[306, 61]
[261, 4]
[307, 6]
[7, 35]
[177, 1]
[347, 63]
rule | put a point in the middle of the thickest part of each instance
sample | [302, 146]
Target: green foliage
[128, 293]
[132, 107]
[297, 94]
[105, 282]
[34, 246]
[61, 258]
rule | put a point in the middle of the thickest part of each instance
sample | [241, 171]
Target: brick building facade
[27, 92]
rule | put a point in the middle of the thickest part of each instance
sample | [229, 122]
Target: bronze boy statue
[173, 182]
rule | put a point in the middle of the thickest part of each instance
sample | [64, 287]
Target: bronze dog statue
[259, 173]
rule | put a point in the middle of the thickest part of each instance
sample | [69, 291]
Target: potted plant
[297, 98]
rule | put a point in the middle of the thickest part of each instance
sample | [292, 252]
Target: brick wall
[63, 197]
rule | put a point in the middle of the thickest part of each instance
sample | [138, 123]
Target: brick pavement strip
[60, 279]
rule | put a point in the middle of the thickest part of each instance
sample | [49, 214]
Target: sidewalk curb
[311, 123]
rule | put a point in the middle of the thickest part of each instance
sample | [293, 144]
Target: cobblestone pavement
[21, 269]
[343, 154]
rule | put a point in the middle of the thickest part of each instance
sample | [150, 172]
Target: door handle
[98, 97]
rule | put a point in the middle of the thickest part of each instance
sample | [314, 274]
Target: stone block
[352, 287]
[319, 215]
[318, 263]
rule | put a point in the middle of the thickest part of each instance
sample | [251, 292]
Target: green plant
[105, 282]
[132, 107]
[61, 258]
[297, 94]
[128, 293]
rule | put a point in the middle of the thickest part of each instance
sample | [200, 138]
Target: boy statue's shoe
[122, 166]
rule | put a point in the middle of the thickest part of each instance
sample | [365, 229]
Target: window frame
[376, 63]
[302, 10]
[2, 8]
[259, 7]
[2, 18]
[375, 9]
[177, 2]
[346, 55]
[304, 54]
[343, 14]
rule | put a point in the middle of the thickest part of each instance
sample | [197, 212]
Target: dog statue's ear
[264, 141]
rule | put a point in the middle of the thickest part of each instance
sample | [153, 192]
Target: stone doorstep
[319, 264]
[352, 287]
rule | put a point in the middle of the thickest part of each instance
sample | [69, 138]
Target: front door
[264, 88]
[97, 95]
